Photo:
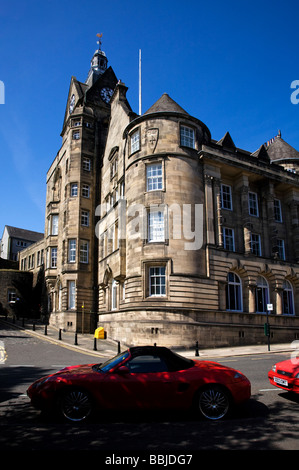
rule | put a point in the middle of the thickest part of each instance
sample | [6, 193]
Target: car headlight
[274, 368]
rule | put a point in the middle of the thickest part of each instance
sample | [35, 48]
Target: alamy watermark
[295, 94]
[2, 93]
[156, 223]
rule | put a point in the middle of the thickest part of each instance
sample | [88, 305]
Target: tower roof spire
[99, 42]
[99, 63]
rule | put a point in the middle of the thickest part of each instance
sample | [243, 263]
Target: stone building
[162, 234]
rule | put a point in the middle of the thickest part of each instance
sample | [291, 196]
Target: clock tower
[98, 64]
[73, 193]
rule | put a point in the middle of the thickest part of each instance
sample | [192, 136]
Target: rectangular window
[54, 257]
[187, 137]
[85, 218]
[74, 189]
[253, 204]
[71, 295]
[84, 245]
[11, 296]
[76, 135]
[255, 244]
[135, 141]
[156, 226]
[54, 230]
[154, 179]
[228, 239]
[72, 251]
[226, 197]
[86, 164]
[277, 210]
[85, 190]
[281, 249]
[157, 281]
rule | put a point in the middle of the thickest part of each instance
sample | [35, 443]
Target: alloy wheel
[214, 403]
[76, 405]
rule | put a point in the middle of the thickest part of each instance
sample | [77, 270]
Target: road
[269, 421]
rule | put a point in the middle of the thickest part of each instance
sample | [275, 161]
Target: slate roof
[281, 150]
[165, 104]
[23, 234]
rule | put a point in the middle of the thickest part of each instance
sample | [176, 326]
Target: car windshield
[108, 365]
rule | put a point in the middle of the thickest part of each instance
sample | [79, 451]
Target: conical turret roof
[165, 104]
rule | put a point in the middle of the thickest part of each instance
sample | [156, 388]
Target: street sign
[269, 307]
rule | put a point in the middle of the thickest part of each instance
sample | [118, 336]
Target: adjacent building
[162, 234]
[16, 239]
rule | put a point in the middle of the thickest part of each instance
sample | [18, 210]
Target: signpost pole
[269, 309]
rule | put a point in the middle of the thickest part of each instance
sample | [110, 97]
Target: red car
[285, 375]
[147, 377]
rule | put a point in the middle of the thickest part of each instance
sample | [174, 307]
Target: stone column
[251, 303]
[278, 300]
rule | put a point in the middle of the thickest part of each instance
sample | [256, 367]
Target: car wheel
[213, 402]
[76, 405]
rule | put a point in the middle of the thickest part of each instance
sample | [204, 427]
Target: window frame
[253, 206]
[53, 257]
[157, 276]
[228, 200]
[85, 218]
[255, 243]
[156, 226]
[71, 285]
[135, 144]
[186, 140]
[288, 298]
[262, 287]
[277, 210]
[72, 250]
[227, 237]
[154, 180]
[237, 293]
[84, 253]
[74, 189]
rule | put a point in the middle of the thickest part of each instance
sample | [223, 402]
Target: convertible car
[144, 378]
[285, 375]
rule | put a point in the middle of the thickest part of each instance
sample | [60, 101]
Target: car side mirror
[123, 370]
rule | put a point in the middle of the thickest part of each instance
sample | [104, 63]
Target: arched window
[234, 293]
[287, 299]
[261, 295]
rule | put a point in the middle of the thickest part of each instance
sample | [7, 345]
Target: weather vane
[99, 42]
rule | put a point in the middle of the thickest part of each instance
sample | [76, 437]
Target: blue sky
[230, 64]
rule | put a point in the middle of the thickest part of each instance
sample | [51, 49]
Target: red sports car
[147, 377]
[285, 375]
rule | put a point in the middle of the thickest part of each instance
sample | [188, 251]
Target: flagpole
[140, 112]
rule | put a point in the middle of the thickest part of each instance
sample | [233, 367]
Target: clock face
[106, 94]
[72, 104]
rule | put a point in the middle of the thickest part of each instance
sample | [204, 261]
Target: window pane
[226, 197]
[187, 137]
[72, 294]
[135, 142]
[154, 177]
[72, 251]
[156, 226]
[157, 281]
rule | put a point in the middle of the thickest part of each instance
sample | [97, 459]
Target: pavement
[87, 344]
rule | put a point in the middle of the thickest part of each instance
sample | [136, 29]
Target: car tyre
[76, 405]
[214, 402]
